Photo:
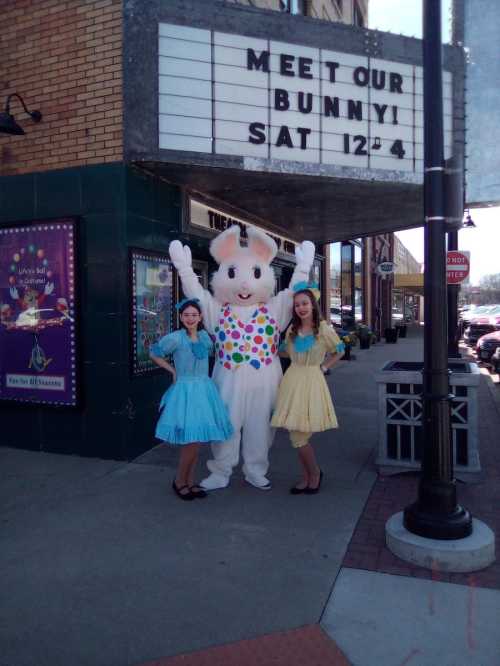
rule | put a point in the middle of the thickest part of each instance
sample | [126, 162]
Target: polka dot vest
[254, 342]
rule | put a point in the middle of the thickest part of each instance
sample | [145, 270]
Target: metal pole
[435, 514]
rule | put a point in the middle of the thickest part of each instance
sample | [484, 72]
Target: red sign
[457, 266]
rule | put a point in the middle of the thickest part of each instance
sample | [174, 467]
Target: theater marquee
[228, 94]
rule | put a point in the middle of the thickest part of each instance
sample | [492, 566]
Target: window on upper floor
[357, 16]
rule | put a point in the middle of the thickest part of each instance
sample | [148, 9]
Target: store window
[346, 284]
[358, 282]
[335, 287]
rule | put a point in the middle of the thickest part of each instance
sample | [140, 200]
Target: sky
[483, 241]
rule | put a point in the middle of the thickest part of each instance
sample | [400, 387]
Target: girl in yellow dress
[304, 404]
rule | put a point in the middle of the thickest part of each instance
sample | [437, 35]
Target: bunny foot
[214, 482]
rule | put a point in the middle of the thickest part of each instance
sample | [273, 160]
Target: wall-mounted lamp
[468, 221]
[8, 123]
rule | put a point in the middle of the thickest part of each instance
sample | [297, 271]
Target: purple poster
[37, 313]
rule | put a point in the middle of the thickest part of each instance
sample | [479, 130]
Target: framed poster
[151, 305]
[37, 313]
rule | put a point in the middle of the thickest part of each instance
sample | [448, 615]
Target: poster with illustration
[151, 305]
[37, 313]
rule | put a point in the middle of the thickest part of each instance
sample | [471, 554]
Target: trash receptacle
[401, 328]
[400, 442]
[391, 335]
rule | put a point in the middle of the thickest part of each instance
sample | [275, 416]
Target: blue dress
[193, 410]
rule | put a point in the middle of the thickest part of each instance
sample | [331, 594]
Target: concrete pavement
[103, 565]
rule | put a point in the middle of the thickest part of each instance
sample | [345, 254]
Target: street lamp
[8, 124]
[435, 514]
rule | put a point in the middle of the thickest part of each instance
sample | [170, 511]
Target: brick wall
[65, 59]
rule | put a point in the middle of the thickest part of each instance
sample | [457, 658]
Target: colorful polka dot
[255, 363]
[235, 335]
[237, 357]
[249, 328]
[269, 330]
[258, 340]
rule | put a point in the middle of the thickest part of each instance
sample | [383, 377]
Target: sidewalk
[104, 566]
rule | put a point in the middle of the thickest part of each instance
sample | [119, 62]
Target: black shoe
[297, 491]
[313, 491]
[198, 492]
[186, 496]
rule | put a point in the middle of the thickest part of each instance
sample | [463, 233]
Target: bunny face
[245, 276]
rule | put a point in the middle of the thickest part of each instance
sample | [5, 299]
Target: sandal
[198, 492]
[178, 491]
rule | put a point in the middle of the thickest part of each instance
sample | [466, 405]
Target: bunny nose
[245, 286]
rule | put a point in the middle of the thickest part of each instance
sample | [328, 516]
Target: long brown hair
[316, 314]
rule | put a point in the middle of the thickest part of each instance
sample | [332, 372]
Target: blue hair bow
[300, 286]
[184, 301]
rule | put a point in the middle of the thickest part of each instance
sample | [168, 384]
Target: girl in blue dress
[193, 411]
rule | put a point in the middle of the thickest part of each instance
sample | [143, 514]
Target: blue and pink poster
[37, 313]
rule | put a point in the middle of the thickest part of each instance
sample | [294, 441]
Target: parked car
[495, 359]
[482, 324]
[342, 316]
[466, 316]
[487, 346]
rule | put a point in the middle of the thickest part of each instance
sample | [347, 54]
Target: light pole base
[472, 553]
[440, 525]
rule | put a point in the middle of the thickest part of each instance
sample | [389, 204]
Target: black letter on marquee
[354, 110]
[395, 115]
[281, 102]
[396, 82]
[331, 106]
[378, 79]
[286, 65]
[254, 62]
[380, 109]
[303, 131]
[284, 137]
[257, 134]
[305, 108]
[332, 66]
[305, 68]
[361, 76]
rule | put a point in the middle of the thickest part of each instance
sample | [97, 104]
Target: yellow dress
[304, 401]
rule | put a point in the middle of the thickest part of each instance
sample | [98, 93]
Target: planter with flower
[365, 336]
[348, 341]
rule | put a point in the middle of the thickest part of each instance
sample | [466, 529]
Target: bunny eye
[257, 272]
[231, 272]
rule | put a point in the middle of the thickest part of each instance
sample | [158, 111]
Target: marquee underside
[322, 209]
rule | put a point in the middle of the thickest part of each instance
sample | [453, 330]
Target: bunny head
[245, 276]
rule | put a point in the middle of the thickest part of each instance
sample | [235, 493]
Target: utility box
[400, 442]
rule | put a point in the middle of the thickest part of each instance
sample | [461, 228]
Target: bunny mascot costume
[246, 321]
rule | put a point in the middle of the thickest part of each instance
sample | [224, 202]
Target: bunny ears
[227, 244]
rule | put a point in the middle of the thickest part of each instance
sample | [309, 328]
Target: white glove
[14, 294]
[304, 254]
[180, 255]
[49, 288]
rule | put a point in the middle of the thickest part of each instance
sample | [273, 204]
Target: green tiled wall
[119, 207]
